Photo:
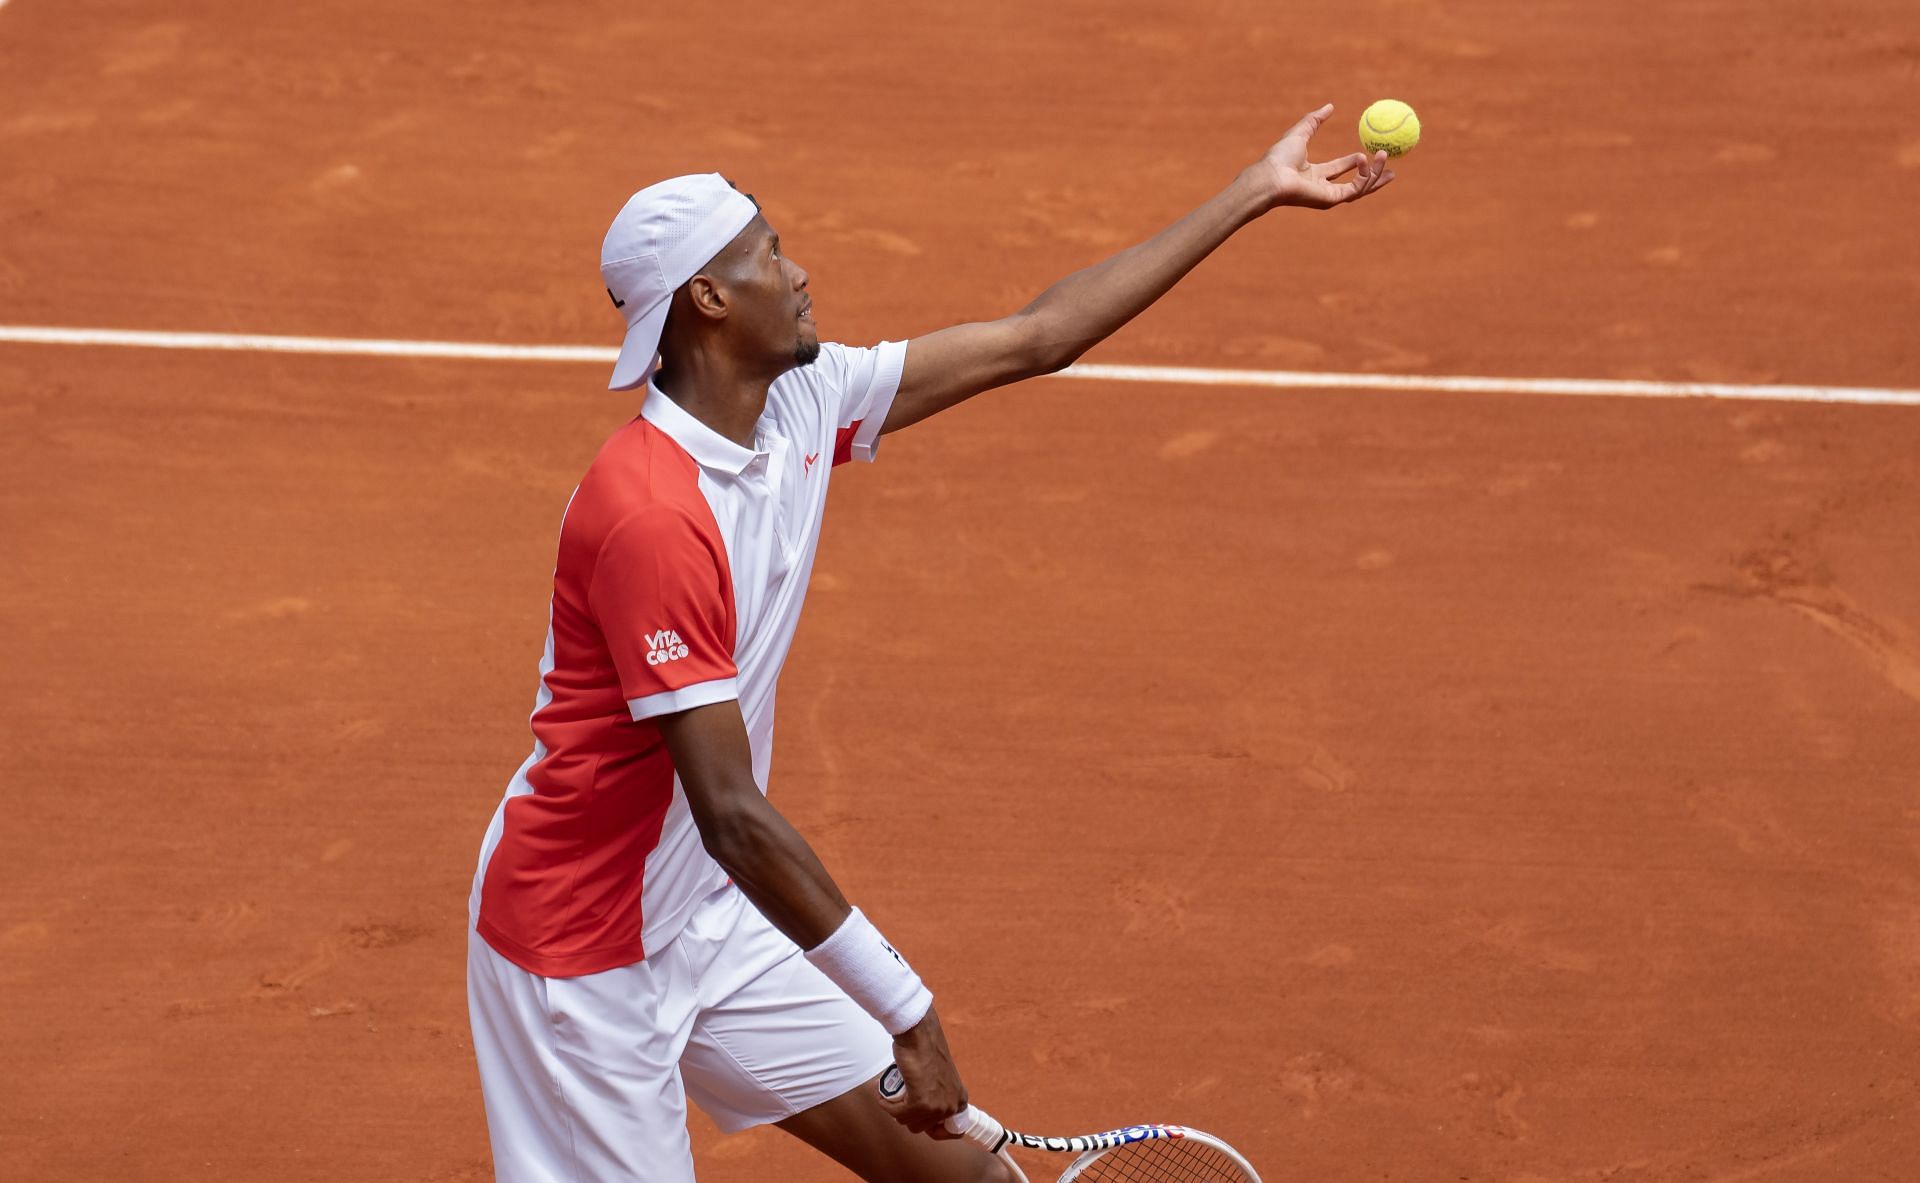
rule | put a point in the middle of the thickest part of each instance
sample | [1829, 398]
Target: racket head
[1190, 1156]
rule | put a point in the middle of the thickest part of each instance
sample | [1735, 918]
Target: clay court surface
[1406, 787]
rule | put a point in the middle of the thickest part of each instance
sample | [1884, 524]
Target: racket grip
[979, 1128]
[970, 1123]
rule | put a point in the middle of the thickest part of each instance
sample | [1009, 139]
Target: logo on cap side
[617, 301]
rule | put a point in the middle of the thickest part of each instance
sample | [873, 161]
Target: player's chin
[806, 348]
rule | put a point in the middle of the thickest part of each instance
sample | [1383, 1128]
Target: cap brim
[640, 348]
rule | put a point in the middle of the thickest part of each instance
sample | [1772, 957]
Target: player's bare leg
[854, 1131]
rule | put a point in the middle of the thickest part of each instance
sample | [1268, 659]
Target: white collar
[703, 443]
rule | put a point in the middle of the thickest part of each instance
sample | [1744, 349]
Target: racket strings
[1163, 1162]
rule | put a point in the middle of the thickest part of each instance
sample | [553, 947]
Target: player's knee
[1000, 1169]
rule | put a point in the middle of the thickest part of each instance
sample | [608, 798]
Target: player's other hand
[934, 1092]
[1295, 180]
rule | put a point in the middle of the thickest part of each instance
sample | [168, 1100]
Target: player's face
[776, 309]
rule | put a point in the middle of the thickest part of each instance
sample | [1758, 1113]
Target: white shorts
[587, 1078]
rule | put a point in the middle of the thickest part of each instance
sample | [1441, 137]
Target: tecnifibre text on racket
[1131, 1154]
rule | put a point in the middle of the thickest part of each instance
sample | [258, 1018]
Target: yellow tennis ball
[1389, 126]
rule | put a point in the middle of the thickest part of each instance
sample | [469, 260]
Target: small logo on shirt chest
[811, 457]
[664, 646]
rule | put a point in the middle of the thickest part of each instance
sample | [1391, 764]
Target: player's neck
[718, 391]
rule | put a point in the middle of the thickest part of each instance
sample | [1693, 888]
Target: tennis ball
[1390, 126]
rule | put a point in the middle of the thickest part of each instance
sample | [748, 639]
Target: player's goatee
[804, 352]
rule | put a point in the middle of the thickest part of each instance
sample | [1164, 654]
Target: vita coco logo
[664, 646]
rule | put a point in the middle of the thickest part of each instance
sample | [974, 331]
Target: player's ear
[707, 297]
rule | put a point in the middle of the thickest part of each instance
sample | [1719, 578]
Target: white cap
[660, 239]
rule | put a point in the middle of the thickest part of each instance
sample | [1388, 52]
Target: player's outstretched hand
[1296, 181]
[934, 1092]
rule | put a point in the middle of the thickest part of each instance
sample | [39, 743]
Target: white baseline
[1167, 375]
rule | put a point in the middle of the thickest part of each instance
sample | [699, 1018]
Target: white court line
[1171, 375]
[338, 346]
[1603, 387]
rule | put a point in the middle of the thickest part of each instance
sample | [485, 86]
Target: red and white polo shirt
[684, 559]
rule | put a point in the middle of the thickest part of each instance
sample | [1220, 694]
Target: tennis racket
[1132, 1154]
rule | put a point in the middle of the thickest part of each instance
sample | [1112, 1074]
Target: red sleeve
[662, 594]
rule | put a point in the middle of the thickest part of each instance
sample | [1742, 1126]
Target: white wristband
[858, 959]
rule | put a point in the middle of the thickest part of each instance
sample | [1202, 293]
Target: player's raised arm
[778, 871]
[1069, 318]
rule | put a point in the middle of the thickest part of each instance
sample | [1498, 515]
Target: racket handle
[980, 1128]
[970, 1123]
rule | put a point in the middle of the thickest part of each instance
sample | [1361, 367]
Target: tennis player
[647, 928]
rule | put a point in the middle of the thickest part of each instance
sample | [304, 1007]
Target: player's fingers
[934, 1126]
[901, 1108]
[1362, 177]
[916, 1120]
[1370, 174]
[898, 1114]
[1333, 170]
[917, 1116]
[1381, 175]
[1339, 193]
[1309, 123]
